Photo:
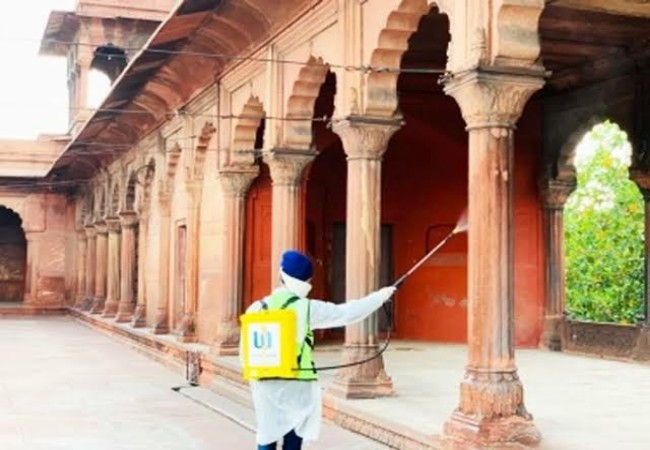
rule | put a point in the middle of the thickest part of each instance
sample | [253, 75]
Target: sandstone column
[187, 328]
[554, 196]
[235, 183]
[30, 272]
[287, 167]
[162, 315]
[128, 220]
[91, 264]
[100, 267]
[365, 140]
[140, 314]
[491, 408]
[113, 273]
[642, 180]
[82, 245]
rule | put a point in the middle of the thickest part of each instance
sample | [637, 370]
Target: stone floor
[578, 403]
[64, 386]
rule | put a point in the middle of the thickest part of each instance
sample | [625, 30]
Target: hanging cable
[224, 56]
[218, 55]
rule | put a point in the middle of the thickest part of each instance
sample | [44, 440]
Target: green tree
[604, 232]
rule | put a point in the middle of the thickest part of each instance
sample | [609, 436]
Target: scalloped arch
[564, 167]
[246, 129]
[301, 103]
[517, 40]
[382, 98]
[114, 201]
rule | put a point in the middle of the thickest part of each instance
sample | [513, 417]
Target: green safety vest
[286, 300]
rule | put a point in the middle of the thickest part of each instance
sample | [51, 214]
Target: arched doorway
[257, 246]
[424, 191]
[604, 232]
[13, 256]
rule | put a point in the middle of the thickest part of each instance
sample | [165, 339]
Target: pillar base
[139, 317]
[78, 303]
[186, 329]
[553, 333]
[86, 304]
[471, 432]
[124, 313]
[368, 380]
[162, 323]
[110, 309]
[97, 305]
[492, 411]
[227, 341]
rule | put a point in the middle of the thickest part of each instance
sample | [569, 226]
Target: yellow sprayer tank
[269, 344]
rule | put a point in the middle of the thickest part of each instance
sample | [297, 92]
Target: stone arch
[13, 256]
[300, 105]
[90, 199]
[245, 133]
[516, 42]
[100, 204]
[166, 186]
[393, 42]
[201, 149]
[130, 192]
[114, 199]
[146, 182]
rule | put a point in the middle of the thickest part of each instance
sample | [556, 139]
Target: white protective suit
[285, 405]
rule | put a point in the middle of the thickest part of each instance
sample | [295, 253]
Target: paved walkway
[64, 386]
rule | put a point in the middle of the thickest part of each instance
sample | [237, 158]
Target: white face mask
[298, 287]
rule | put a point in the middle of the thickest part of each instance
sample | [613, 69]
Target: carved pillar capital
[91, 231]
[101, 228]
[364, 137]
[488, 98]
[556, 192]
[642, 179]
[128, 219]
[236, 181]
[288, 165]
[113, 225]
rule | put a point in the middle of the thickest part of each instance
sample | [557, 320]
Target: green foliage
[604, 220]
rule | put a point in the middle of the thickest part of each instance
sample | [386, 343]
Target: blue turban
[296, 265]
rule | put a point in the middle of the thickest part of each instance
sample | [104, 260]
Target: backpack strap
[289, 301]
[309, 339]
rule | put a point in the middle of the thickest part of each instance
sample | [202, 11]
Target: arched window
[99, 85]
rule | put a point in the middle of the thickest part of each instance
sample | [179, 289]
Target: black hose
[389, 315]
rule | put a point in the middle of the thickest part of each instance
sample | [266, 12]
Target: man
[290, 409]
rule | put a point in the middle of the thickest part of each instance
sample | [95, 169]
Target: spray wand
[461, 227]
